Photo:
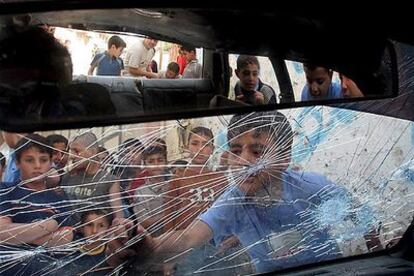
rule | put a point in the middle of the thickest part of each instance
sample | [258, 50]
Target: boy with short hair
[319, 84]
[193, 69]
[109, 63]
[30, 212]
[60, 157]
[192, 193]
[268, 206]
[173, 71]
[87, 185]
[149, 187]
[250, 89]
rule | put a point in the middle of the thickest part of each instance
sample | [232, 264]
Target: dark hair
[188, 48]
[154, 66]
[160, 142]
[2, 160]
[131, 144]
[88, 139]
[35, 48]
[173, 66]
[244, 60]
[99, 212]
[202, 131]
[179, 162]
[313, 67]
[154, 150]
[117, 41]
[273, 123]
[33, 141]
[56, 138]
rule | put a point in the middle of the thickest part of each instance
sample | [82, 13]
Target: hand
[258, 98]
[118, 250]
[52, 178]
[121, 227]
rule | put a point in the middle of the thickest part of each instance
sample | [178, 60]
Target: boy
[109, 63]
[192, 193]
[149, 187]
[60, 146]
[349, 88]
[87, 185]
[95, 230]
[193, 69]
[250, 89]
[272, 210]
[319, 84]
[30, 213]
[172, 72]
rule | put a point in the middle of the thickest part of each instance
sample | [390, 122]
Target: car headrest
[199, 86]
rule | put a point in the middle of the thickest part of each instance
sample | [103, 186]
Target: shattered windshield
[233, 195]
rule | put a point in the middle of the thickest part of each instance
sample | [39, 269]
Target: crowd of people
[103, 203]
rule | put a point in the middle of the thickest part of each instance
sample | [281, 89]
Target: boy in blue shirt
[109, 63]
[273, 211]
[319, 84]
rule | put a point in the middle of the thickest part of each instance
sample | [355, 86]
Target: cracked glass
[234, 195]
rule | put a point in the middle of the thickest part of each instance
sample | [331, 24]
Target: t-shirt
[277, 233]
[334, 92]
[88, 191]
[149, 201]
[191, 194]
[11, 172]
[193, 70]
[269, 94]
[107, 65]
[24, 205]
[138, 56]
[182, 62]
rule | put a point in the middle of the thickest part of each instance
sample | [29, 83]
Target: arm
[21, 233]
[63, 235]
[138, 72]
[116, 203]
[197, 233]
[171, 204]
[90, 71]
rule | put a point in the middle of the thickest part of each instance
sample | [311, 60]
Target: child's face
[349, 88]
[157, 160]
[200, 148]
[254, 160]
[33, 164]
[94, 224]
[116, 52]
[59, 158]
[248, 76]
[189, 55]
[170, 74]
[318, 81]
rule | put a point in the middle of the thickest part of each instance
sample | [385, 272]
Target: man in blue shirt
[319, 84]
[109, 63]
